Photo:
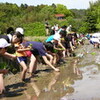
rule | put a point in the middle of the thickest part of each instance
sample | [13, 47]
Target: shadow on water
[14, 90]
[45, 70]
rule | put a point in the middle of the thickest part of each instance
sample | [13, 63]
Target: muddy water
[78, 79]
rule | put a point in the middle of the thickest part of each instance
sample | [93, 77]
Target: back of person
[37, 47]
[94, 40]
[68, 39]
[5, 37]
[50, 38]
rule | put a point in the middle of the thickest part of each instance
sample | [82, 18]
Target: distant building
[60, 16]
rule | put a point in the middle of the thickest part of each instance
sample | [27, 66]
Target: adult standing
[69, 29]
[47, 26]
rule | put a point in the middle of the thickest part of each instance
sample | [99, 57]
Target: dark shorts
[19, 59]
[66, 45]
[91, 42]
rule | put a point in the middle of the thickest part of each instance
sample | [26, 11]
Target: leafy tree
[78, 13]
[34, 29]
[61, 9]
[32, 17]
[93, 16]
[48, 11]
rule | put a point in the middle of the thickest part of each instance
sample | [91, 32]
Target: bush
[34, 29]
[12, 66]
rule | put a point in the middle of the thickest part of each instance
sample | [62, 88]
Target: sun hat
[4, 43]
[19, 29]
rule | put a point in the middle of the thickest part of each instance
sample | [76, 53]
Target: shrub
[34, 29]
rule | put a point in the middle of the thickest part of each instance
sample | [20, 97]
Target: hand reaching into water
[57, 70]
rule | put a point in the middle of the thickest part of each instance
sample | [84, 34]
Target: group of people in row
[52, 51]
[53, 29]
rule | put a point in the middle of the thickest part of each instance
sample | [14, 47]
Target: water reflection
[36, 89]
[61, 83]
[73, 75]
[76, 70]
[29, 97]
[53, 80]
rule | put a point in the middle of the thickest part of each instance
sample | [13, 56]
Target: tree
[93, 16]
[47, 12]
[61, 9]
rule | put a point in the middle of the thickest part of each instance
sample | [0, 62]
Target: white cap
[4, 43]
[19, 29]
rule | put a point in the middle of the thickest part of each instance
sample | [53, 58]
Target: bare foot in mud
[31, 75]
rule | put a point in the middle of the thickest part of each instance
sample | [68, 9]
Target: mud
[78, 79]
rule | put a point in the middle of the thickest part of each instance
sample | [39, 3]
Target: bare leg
[47, 32]
[32, 63]
[67, 51]
[23, 74]
[56, 59]
[64, 54]
[48, 63]
[2, 88]
[50, 57]
[35, 67]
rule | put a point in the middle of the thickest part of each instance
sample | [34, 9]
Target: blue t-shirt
[50, 38]
[37, 47]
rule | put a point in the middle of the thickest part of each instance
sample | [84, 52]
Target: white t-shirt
[96, 35]
[4, 43]
[95, 40]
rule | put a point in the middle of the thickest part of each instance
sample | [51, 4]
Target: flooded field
[78, 79]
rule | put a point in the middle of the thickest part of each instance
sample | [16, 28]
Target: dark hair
[63, 33]
[48, 46]
[10, 30]
[64, 27]
[19, 35]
